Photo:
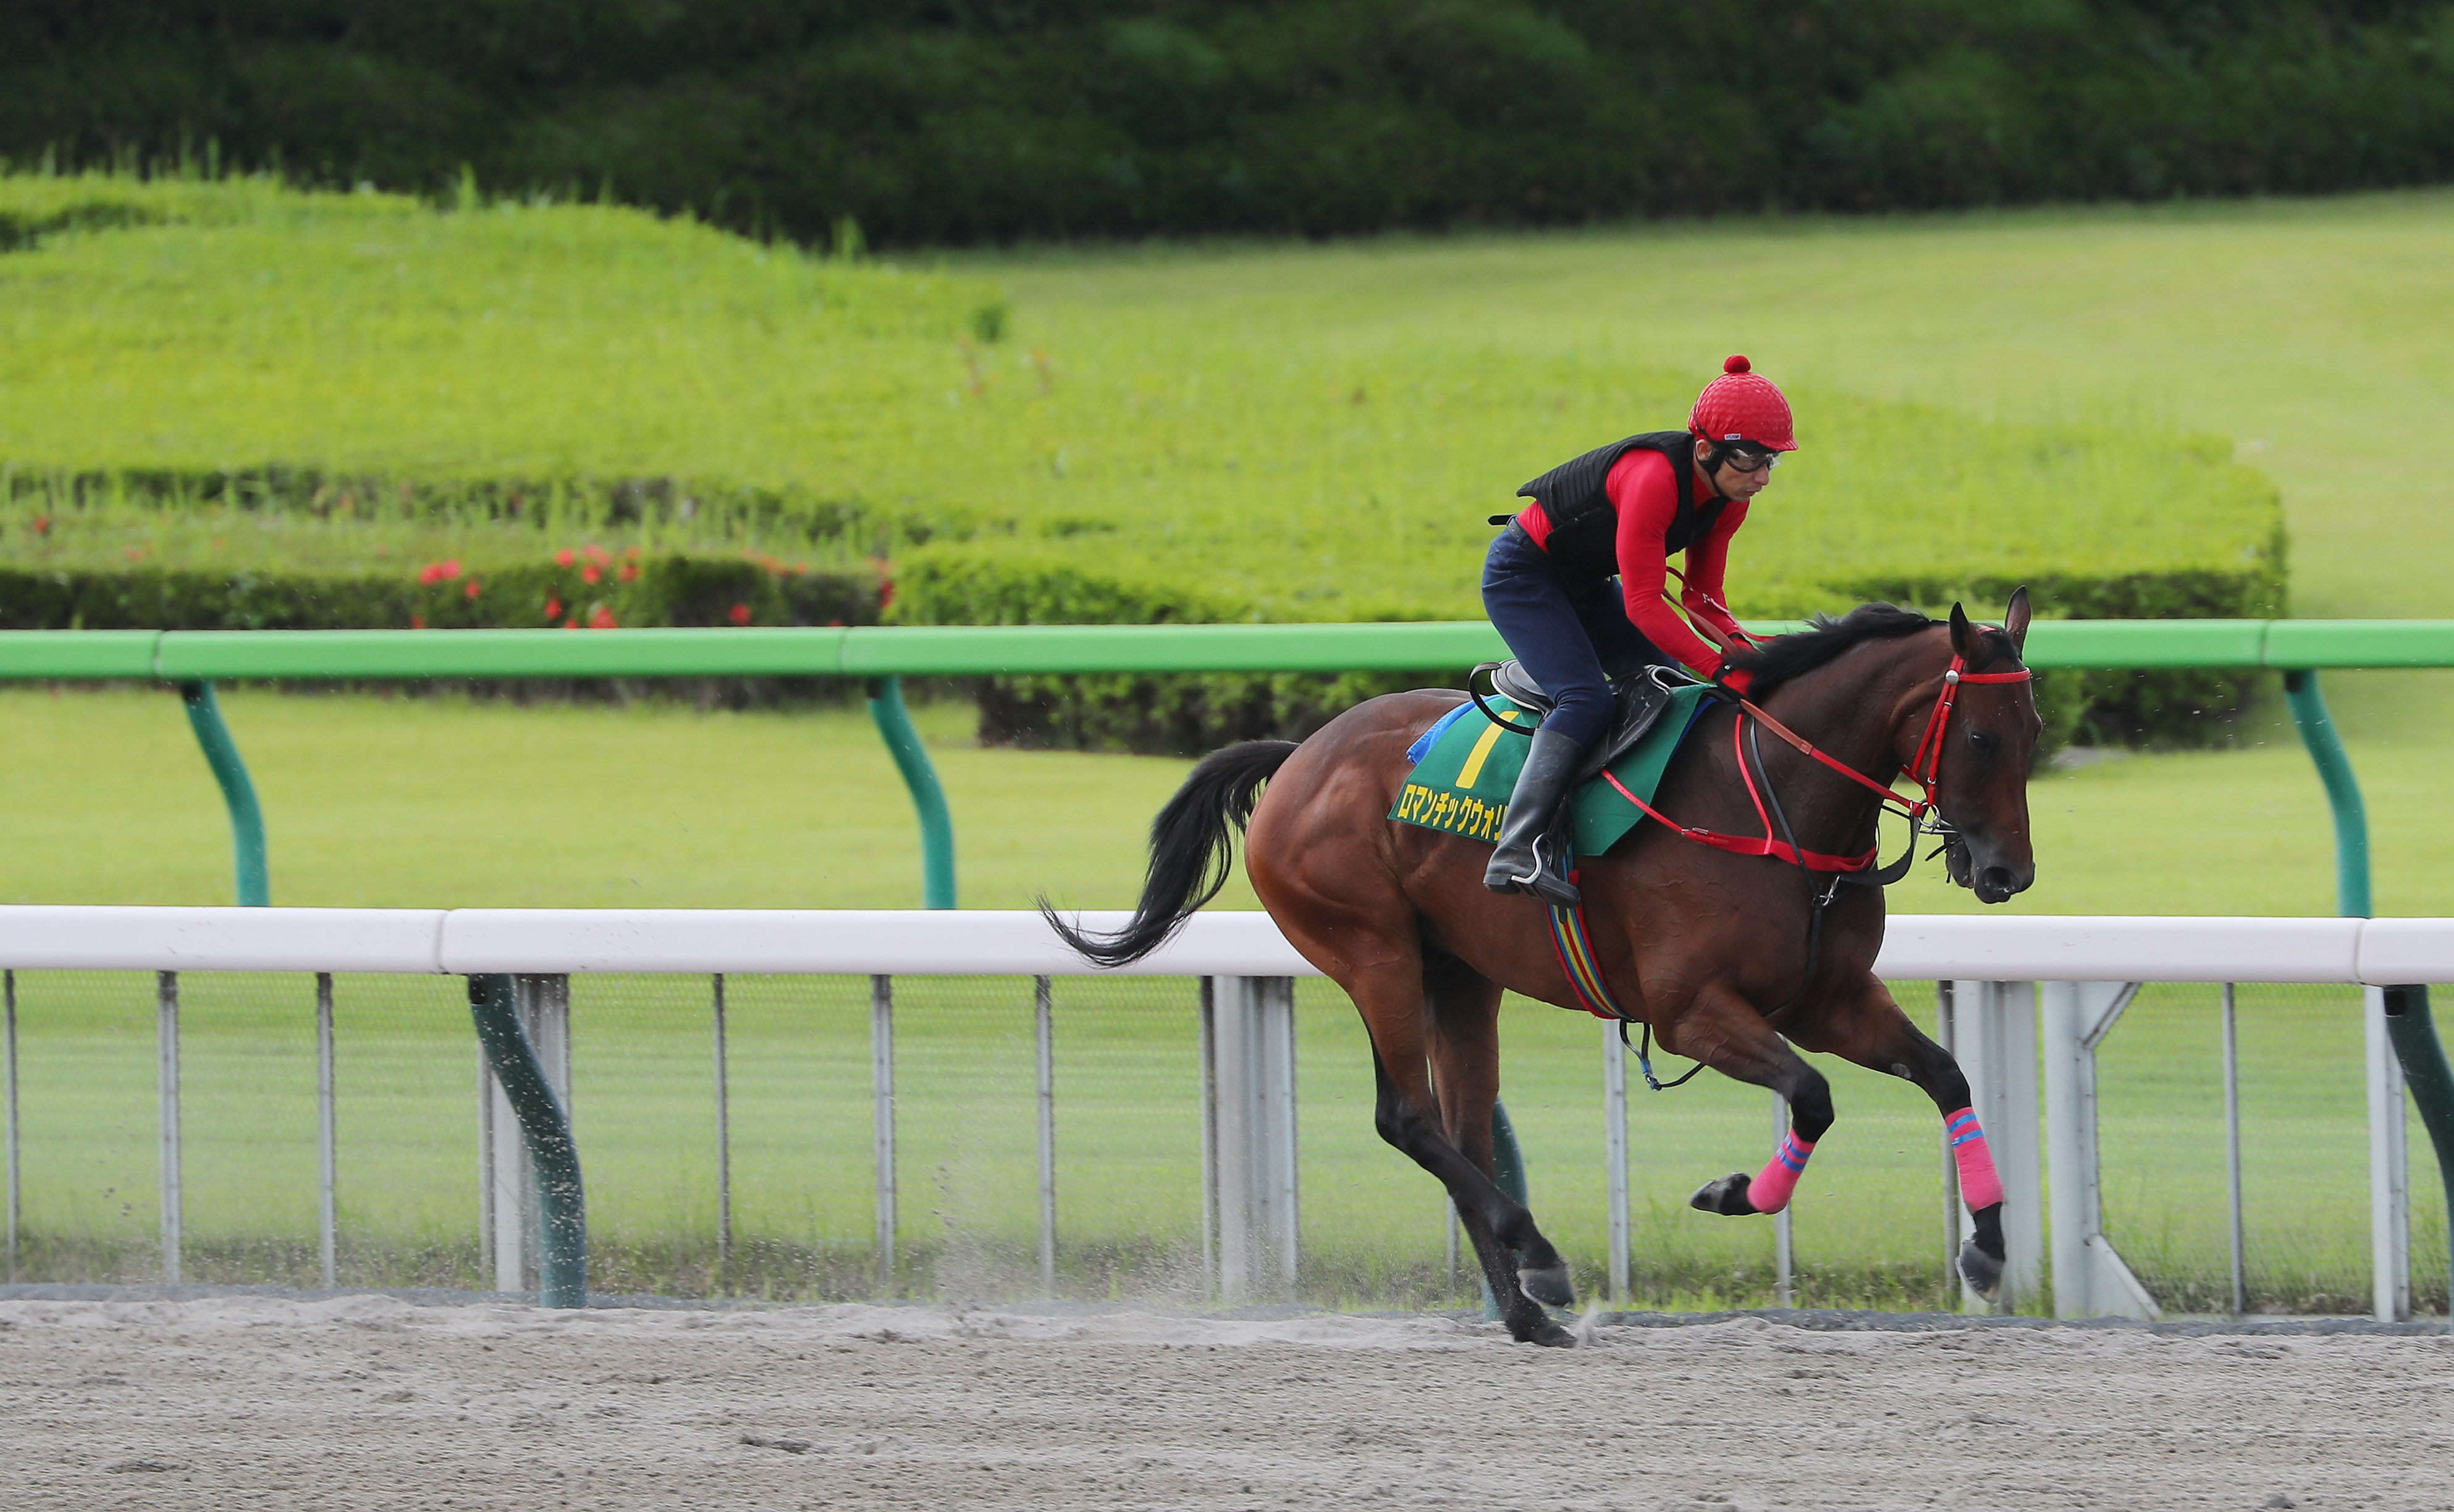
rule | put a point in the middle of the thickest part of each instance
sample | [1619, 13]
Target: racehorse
[1732, 946]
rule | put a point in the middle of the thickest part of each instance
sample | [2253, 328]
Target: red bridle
[1924, 769]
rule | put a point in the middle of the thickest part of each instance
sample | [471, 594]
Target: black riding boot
[1524, 861]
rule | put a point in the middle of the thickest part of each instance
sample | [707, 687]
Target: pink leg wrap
[1771, 1190]
[1978, 1185]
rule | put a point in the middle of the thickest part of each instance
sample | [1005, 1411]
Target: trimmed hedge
[934, 123]
[1191, 715]
[589, 590]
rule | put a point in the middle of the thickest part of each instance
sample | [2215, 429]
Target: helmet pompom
[1735, 364]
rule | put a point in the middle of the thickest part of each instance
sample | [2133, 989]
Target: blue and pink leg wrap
[1771, 1188]
[1979, 1187]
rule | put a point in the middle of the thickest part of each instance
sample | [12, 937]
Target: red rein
[1924, 769]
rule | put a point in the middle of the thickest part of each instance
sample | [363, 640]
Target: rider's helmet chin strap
[1712, 465]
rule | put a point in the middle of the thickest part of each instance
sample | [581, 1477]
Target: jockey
[1621, 512]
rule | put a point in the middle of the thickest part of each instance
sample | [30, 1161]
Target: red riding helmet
[1743, 406]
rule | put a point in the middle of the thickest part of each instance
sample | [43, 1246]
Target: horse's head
[1981, 772]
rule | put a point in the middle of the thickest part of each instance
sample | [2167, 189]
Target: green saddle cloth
[1463, 776]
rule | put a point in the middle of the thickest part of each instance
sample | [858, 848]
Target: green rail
[964, 650]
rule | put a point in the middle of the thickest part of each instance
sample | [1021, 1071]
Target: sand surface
[364, 1401]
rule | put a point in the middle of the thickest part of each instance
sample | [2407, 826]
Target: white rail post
[723, 1137]
[1206, 1035]
[881, 1094]
[165, 1029]
[2233, 1204]
[1945, 1036]
[511, 1225]
[328, 1221]
[1995, 1024]
[1614, 1160]
[1251, 1115]
[9, 989]
[1044, 1027]
[2389, 1173]
[2090, 1277]
[1785, 1255]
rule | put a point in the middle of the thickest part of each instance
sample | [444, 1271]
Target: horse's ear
[1960, 635]
[2015, 620]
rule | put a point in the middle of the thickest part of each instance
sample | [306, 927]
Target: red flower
[42, 524]
[602, 619]
[565, 557]
[590, 574]
[418, 621]
[570, 624]
[430, 574]
[552, 607]
[634, 551]
[885, 595]
[629, 572]
[597, 554]
[452, 568]
[738, 614]
[471, 589]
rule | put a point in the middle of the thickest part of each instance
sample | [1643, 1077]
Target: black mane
[1784, 657]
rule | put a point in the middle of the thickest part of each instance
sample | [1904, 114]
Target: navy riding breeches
[1571, 640]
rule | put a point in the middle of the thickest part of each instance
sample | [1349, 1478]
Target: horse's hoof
[1728, 1197]
[1550, 1287]
[1982, 1271]
[1549, 1335]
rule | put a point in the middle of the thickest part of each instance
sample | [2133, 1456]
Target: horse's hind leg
[1391, 997]
[1465, 1072]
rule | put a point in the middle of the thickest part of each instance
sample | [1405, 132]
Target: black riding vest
[1584, 523]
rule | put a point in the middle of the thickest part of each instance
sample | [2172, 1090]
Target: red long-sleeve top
[1643, 488]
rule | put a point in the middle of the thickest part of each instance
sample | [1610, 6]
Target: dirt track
[368, 1402]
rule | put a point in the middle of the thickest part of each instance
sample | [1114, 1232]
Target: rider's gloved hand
[1737, 679]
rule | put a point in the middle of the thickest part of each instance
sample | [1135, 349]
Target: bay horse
[1732, 950]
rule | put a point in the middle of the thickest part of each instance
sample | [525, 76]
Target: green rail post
[2343, 792]
[247, 819]
[911, 759]
[545, 1128]
[2410, 1026]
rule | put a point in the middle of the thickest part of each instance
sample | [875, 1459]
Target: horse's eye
[1980, 740]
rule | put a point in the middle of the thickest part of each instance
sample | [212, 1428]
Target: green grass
[443, 802]
[1295, 462]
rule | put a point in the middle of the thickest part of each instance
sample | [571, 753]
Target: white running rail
[2022, 996]
[2382, 952]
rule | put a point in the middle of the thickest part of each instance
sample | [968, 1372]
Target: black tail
[1192, 848]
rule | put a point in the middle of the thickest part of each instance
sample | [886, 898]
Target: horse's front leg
[1864, 1024]
[1723, 1030]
